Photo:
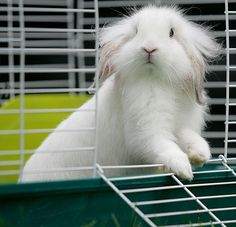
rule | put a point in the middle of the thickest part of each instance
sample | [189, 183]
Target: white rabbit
[151, 103]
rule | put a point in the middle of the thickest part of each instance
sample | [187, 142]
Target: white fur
[147, 113]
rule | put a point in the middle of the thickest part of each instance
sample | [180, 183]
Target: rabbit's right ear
[111, 40]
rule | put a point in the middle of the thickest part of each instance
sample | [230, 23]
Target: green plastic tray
[91, 202]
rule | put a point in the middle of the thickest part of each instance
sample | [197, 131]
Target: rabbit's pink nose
[150, 50]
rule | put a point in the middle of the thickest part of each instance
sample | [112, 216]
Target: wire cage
[49, 56]
[48, 62]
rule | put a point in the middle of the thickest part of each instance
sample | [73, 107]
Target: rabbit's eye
[171, 34]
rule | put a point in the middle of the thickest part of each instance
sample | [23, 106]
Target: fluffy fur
[151, 103]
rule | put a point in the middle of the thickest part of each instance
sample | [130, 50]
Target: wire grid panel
[229, 81]
[48, 62]
[176, 203]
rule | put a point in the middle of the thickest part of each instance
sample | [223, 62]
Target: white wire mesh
[196, 195]
[44, 52]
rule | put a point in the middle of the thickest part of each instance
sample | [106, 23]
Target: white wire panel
[177, 203]
[229, 84]
[43, 75]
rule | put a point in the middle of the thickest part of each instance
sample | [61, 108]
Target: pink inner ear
[107, 52]
[107, 71]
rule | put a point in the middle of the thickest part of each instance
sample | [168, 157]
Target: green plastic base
[91, 202]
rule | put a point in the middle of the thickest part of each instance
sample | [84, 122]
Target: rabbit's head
[159, 41]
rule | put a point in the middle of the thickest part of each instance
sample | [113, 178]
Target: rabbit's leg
[195, 146]
[173, 158]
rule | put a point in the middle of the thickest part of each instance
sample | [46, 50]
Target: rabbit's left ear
[111, 40]
[202, 49]
[199, 71]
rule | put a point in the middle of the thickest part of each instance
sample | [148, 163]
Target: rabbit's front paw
[196, 147]
[198, 153]
[180, 166]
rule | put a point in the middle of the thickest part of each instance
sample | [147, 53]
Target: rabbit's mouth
[149, 61]
[149, 52]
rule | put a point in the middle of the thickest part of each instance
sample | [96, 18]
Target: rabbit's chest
[151, 103]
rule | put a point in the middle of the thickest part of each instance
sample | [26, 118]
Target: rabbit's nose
[150, 50]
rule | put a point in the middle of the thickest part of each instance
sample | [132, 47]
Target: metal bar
[44, 50]
[51, 30]
[9, 163]
[171, 187]
[57, 10]
[132, 166]
[139, 177]
[49, 35]
[210, 223]
[152, 202]
[198, 201]
[232, 122]
[39, 18]
[9, 172]
[51, 83]
[136, 209]
[42, 152]
[211, 171]
[22, 86]
[51, 170]
[36, 131]
[53, 90]
[70, 44]
[232, 141]
[169, 214]
[37, 111]
[80, 22]
[10, 40]
[184, 212]
[96, 79]
[220, 160]
[119, 3]
[49, 70]
[41, 2]
[210, 184]
[10, 46]
[138, 190]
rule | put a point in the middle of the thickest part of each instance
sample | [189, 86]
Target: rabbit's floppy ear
[199, 71]
[202, 48]
[111, 40]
